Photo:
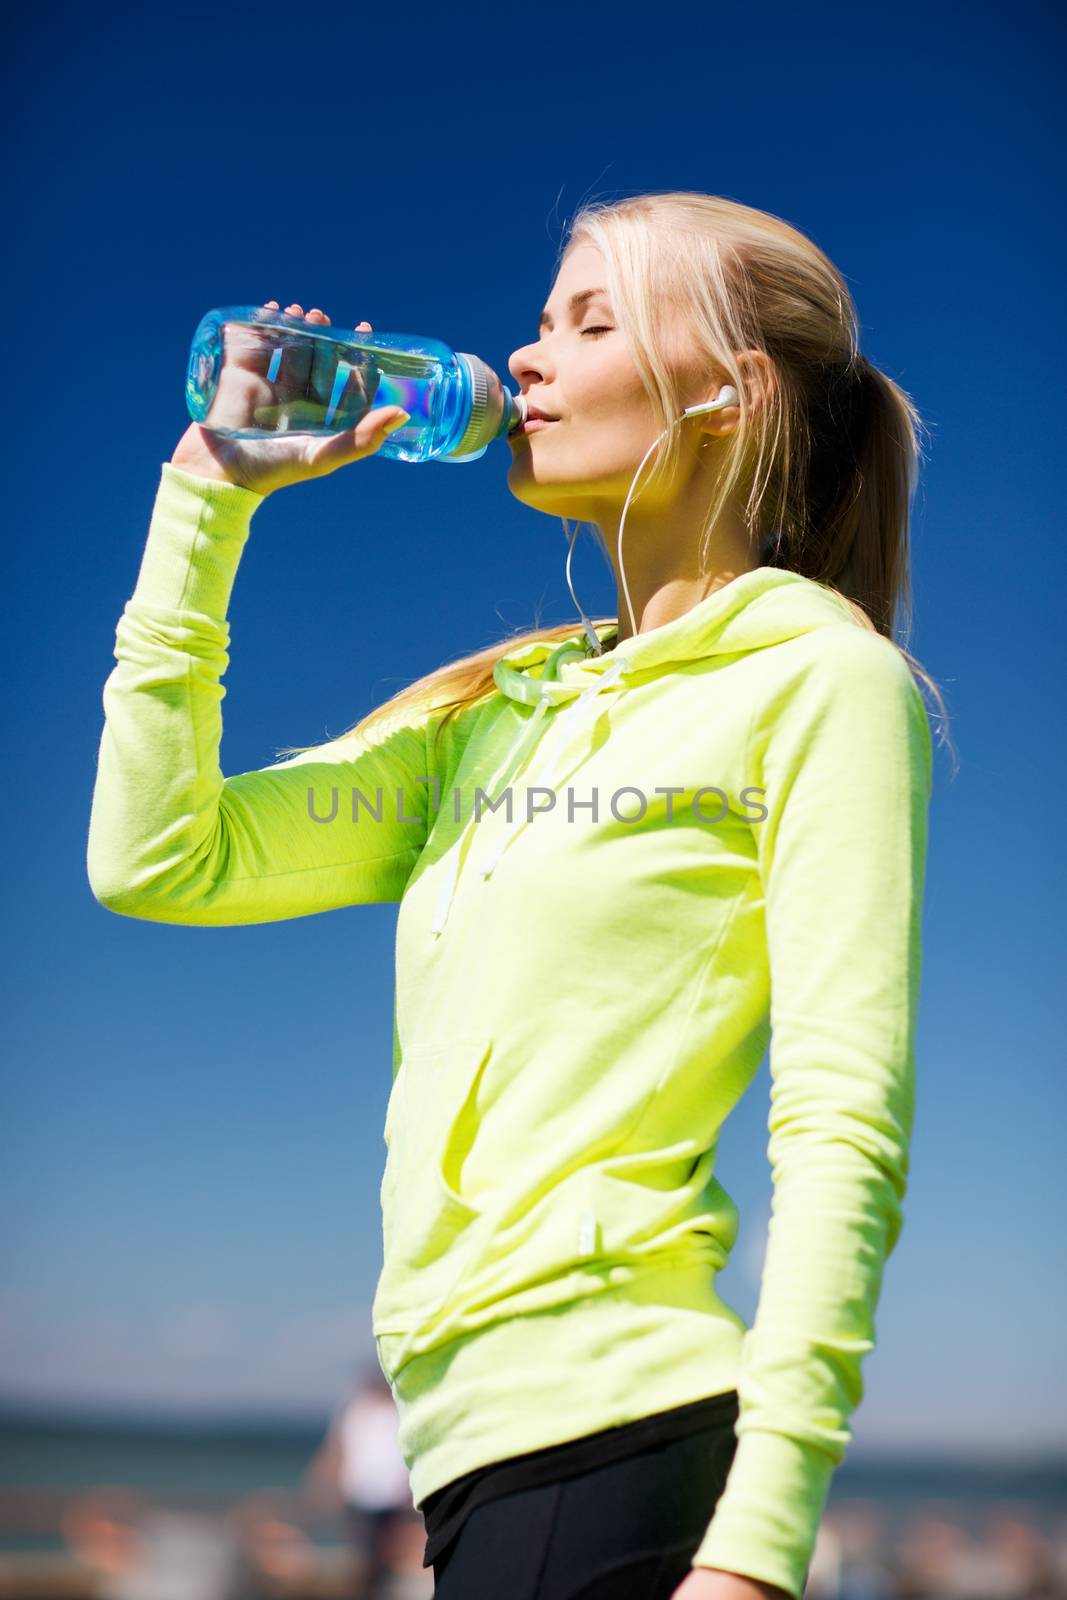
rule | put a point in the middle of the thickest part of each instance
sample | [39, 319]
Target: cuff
[195, 538]
[767, 1517]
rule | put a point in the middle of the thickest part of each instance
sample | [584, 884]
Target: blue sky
[200, 1227]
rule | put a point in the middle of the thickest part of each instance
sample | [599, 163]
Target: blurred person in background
[359, 1470]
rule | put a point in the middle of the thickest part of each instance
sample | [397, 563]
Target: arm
[846, 760]
[320, 1481]
[173, 840]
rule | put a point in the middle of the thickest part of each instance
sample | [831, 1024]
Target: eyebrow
[576, 300]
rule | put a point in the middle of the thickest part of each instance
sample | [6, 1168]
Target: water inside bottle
[257, 381]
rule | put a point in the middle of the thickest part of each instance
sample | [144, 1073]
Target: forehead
[579, 283]
[581, 268]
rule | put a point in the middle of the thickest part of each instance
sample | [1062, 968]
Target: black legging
[627, 1530]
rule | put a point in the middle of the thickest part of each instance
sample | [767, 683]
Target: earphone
[727, 396]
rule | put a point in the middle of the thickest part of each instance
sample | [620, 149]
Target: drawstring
[564, 725]
[444, 898]
[544, 778]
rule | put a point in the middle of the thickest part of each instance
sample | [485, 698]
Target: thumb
[354, 444]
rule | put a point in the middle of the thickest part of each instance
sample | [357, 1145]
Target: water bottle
[255, 372]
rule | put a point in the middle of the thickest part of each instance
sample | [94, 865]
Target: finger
[321, 382]
[323, 385]
[361, 388]
[296, 365]
[358, 393]
[323, 376]
[354, 444]
[246, 347]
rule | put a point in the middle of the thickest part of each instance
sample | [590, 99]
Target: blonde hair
[827, 463]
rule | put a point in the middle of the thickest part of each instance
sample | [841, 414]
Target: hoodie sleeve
[173, 840]
[845, 758]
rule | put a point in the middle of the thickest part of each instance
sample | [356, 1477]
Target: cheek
[603, 384]
[609, 392]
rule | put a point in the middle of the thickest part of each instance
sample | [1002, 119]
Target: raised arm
[173, 840]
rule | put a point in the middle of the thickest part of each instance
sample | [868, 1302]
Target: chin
[554, 499]
[552, 504]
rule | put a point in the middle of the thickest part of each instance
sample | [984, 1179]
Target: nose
[524, 363]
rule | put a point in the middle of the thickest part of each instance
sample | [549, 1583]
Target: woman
[719, 833]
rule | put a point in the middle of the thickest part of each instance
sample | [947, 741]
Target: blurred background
[191, 1404]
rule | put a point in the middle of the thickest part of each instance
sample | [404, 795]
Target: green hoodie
[724, 847]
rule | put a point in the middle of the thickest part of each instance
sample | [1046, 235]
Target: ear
[757, 376]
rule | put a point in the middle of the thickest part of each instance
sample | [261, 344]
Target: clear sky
[192, 1120]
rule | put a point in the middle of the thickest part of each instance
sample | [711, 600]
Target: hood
[762, 607]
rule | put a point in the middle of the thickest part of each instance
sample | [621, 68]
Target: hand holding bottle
[264, 465]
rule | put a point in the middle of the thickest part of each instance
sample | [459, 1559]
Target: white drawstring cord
[444, 898]
[563, 726]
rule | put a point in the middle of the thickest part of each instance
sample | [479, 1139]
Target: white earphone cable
[727, 397]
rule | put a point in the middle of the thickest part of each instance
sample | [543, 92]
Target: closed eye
[594, 330]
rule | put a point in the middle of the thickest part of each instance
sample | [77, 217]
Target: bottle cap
[494, 410]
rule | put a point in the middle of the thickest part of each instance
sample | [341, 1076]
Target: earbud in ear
[727, 397]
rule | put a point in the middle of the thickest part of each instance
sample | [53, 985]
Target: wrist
[201, 465]
[199, 454]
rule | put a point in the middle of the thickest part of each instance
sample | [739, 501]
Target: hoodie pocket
[426, 1217]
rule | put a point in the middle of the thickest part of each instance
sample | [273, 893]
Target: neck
[661, 556]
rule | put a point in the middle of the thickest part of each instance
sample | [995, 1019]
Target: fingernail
[397, 422]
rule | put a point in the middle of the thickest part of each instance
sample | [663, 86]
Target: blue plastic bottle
[255, 372]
